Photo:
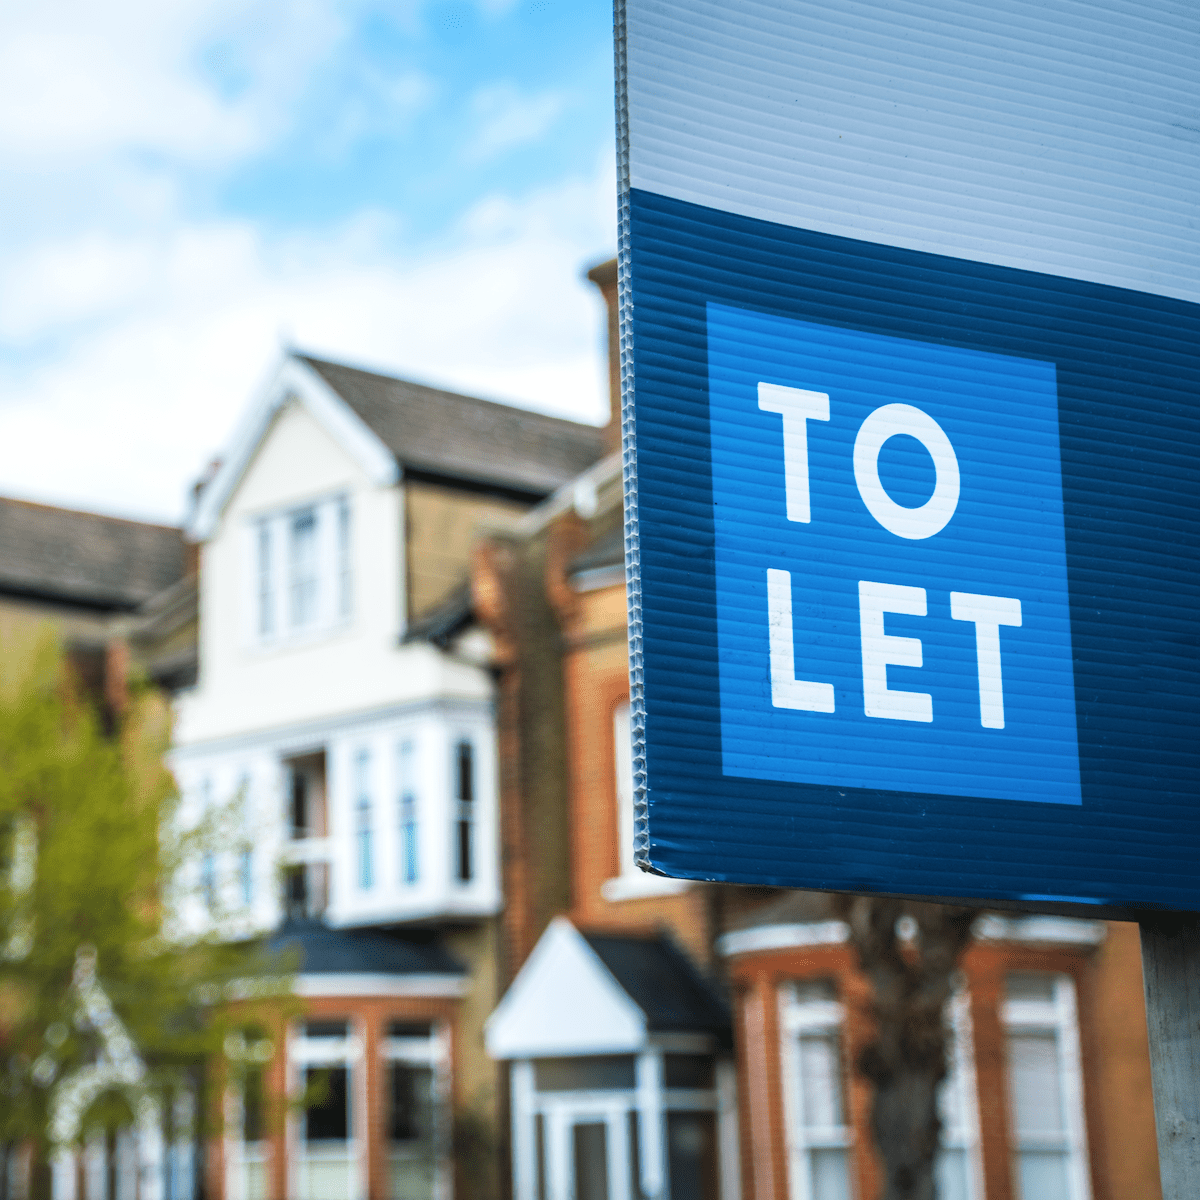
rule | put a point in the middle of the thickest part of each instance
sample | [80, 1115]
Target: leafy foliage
[86, 820]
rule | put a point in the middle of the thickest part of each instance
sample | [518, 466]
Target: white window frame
[364, 822]
[408, 813]
[1059, 1017]
[305, 1052]
[797, 1017]
[630, 882]
[269, 595]
[434, 1052]
[960, 1091]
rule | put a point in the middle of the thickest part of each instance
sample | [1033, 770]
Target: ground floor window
[328, 1062]
[815, 1077]
[1045, 1084]
[414, 1111]
[616, 1127]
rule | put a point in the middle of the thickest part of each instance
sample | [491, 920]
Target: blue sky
[412, 186]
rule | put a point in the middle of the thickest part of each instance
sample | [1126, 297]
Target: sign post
[1171, 969]
[911, 375]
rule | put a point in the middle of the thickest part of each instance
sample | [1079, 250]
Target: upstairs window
[264, 579]
[345, 575]
[406, 772]
[464, 841]
[362, 776]
[302, 567]
[301, 570]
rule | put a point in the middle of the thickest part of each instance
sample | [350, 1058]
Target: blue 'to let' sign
[891, 579]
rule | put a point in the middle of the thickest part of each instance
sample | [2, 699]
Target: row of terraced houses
[395, 632]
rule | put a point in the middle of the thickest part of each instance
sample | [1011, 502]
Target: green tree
[100, 1008]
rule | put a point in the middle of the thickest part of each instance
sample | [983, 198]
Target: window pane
[1029, 985]
[692, 1155]
[591, 1161]
[409, 1029]
[366, 866]
[1034, 1076]
[815, 991]
[539, 1149]
[345, 561]
[597, 1073]
[951, 1174]
[1043, 1175]
[635, 1157]
[406, 771]
[411, 1096]
[266, 599]
[253, 1105]
[830, 1175]
[821, 1080]
[464, 832]
[328, 1119]
[326, 1029]
[304, 567]
[688, 1071]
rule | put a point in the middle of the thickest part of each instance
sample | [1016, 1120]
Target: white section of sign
[988, 613]
[1059, 136]
[879, 650]
[786, 690]
[930, 517]
[797, 407]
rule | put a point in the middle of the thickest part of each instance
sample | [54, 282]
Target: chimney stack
[604, 276]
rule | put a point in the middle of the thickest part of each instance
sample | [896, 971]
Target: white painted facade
[301, 653]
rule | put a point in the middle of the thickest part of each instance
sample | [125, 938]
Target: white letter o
[932, 516]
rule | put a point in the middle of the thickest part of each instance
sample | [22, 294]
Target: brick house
[1048, 1096]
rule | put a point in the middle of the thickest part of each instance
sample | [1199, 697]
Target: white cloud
[507, 119]
[167, 335]
[132, 332]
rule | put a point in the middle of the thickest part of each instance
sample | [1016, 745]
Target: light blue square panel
[891, 574]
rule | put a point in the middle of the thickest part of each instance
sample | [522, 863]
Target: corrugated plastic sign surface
[911, 353]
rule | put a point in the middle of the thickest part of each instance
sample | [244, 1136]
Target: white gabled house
[342, 725]
[338, 525]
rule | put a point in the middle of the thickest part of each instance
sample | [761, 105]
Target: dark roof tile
[457, 437]
[663, 982]
[326, 951]
[84, 558]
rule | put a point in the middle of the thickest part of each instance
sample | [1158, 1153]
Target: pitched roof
[327, 951]
[662, 981]
[83, 558]
[449, 436]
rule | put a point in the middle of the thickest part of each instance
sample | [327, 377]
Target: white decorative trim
[295, 380]
[782, 937]
[558, 502]
[642, 885]
[380, 985]
[1062, 931]
[564, 1001]
[304, 736]
[599, 577]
